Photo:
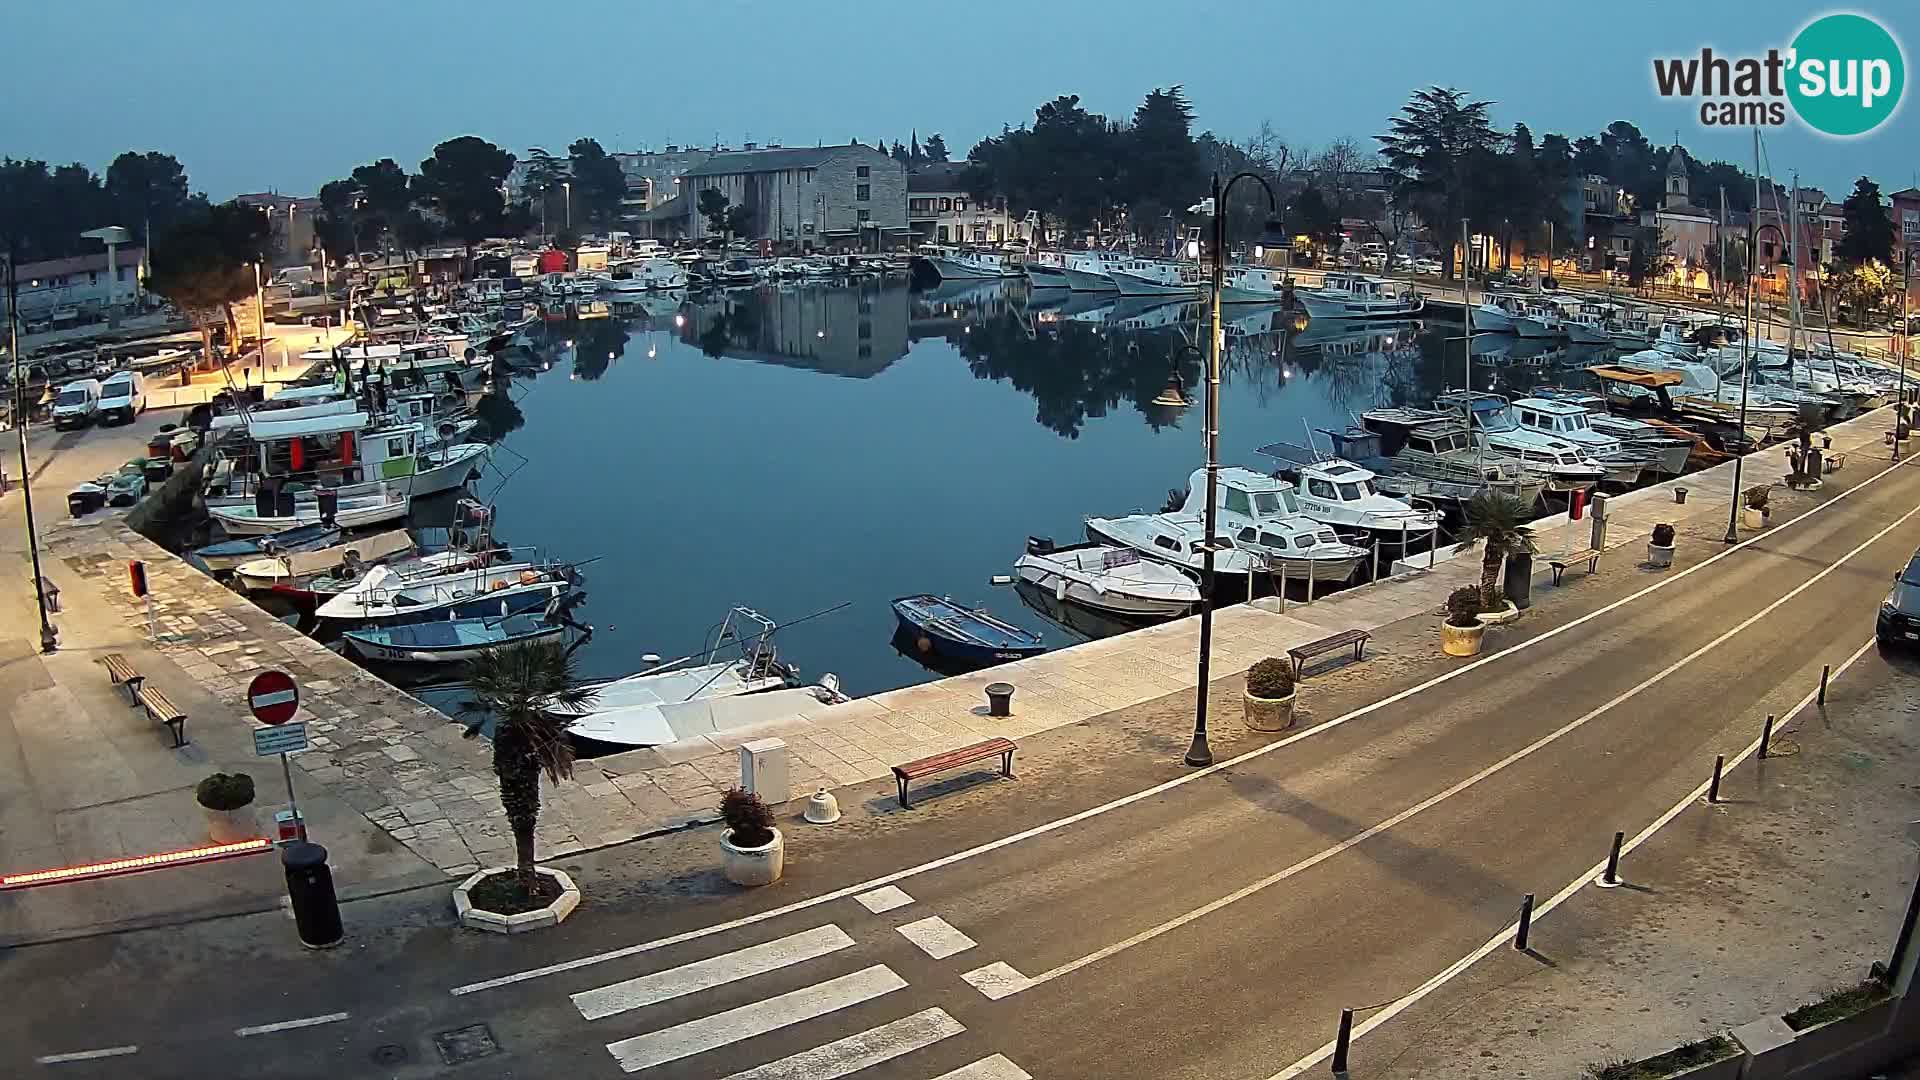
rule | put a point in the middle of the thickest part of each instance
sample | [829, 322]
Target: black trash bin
[316, 911]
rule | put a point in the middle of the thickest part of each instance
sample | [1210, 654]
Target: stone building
[835, 198]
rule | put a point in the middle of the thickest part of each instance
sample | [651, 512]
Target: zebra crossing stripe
[756, 1018]
[714, 971]
[996, 1067]
[844, 1057]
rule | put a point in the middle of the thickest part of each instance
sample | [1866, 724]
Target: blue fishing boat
[939, 628]
[224, 556]
[451, 641]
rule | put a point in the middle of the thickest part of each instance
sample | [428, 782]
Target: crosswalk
[815, 955]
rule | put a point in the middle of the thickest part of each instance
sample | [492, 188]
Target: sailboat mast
[1739, 458]
[1720, 297]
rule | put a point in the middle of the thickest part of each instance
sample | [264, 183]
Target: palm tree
[517, 685]
[1501, 521]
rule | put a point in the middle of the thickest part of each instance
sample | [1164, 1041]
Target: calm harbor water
[790, 449]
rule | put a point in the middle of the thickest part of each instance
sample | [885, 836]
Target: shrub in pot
[1754, 503]
[754, 853]
[1660, 548]
[1460, 634]
[1269, 695]
[227, 799]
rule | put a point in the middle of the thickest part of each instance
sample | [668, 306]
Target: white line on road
[844, 1057]
[86, 1055]
[996, 980]
[711, 972]
[289, 1025]
[884, 899]
[996, 1067]
[936, 937]
[1161, 788]
[756, 1018]
[1434, 800]
[1505, 936]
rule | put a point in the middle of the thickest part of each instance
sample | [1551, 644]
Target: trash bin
[1517, 583]
[1679, 494]
[999, 699]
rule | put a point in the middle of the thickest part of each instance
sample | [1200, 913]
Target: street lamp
[1198, 753]
[49, 638]
[567, 186]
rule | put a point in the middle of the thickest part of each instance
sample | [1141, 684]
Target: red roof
[553, 262]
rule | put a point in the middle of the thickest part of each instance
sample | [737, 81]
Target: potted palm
[1498, 521]
[1660, 548]
[1754, 507]
[227, 799]
[752, 849]
[516, 686]
[1269, 695]
[1460, 634]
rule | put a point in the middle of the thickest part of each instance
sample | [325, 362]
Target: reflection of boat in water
[1152, 312]
[1349, 337]
[959, 291]
[1085, 622]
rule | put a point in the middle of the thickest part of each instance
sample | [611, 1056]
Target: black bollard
[1825, 671]
[1612, 876]
[316, 911]
[1766, 737]
[1341, 1041]
[1713, 789]
[1526, 923]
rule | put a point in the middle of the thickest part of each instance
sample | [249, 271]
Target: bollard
[1679, 494]
[316, 911]
[1713, 789]
[1526, 923]
[1310, 566]
[1341, 1041]
[1766, 737]
[1612, 875]
[999, 699]
[1825, 671]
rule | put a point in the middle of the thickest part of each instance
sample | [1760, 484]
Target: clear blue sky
[254, 96]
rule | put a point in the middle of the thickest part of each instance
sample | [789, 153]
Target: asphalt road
[1211, 925]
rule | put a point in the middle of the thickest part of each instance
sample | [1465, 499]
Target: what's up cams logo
[1842, 76]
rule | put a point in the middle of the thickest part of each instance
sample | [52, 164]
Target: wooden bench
[166, 712]
[1302, 653]
[1560, 563]
[965, 755]
[122, 674]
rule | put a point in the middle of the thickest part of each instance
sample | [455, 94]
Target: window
[1166, 542]
[866, 329]
[1248, 536]
[959, 206]
[123, 273]
[864, 215]
[1274, 540]
[1350, 492]
[943, 234]
[920, 206]
[946, 206]
[1320, 489]
[863, 193]
[396, 448]
[863, 170]
[93, 277]
[1237, 502]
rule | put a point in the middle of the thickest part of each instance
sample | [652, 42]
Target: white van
[76, 403]
[122, 397]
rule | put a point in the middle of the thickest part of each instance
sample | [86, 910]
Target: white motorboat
[1092, 271]
[1584, 324]
[1157, 277]
[1520, 318]
[1251, 285]
[277, 572]
[1668, 453]
[1491, 318]
[1490, 419]
[357, 513]
[386, 596]
[677, 719]
[1110, 580]
[1340, 493]
[956, 263]
[1357, 296]
[643, 275]
[1568, 421]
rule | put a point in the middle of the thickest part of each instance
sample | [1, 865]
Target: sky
[255, 97]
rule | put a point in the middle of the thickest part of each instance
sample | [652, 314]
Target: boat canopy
[276, 430]
[1648, 379]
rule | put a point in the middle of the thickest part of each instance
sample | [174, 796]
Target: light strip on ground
[135, 864]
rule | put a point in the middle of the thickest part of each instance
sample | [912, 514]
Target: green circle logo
[1847, 74]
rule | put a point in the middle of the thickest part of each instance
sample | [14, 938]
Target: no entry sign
[273, 697]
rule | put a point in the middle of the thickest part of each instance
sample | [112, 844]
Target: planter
[553, 913]
[1812, 1045]
[231, 826]
[1753, 519]
[1659, 557]
[1269, 714]
[1507, 614]
[1460, 640]
[753, 866]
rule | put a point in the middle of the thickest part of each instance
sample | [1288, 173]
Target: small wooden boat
[451, 641]
[229, 554]
[939, 627]
[295, 572]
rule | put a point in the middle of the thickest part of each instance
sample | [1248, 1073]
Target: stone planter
[1460, 640]
[553, 914]
[1836, 1037]
[1269, 714]
[1754, 519]
[231, 826]
[1659, 557]
[1507, 614]
[753, 866]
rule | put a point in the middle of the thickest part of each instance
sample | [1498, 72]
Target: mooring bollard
[1766, 737]
[1526, 923]
[1612, 875]
[1341, 1041]
[1713, 789]
[1825, 671]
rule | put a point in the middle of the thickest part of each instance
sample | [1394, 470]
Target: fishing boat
[1435, 465]
[227, 555]
[453, 641]
[1340, 493]
[678, 718]
[293, 572]
[1158, 277]
[1494, 427]
[1114, 581]
[941, 628]
[1357, 296]
[957, 263]
[362, 512]
[1518, 318]
[1046, 270]
[1251, 285]
[351, 452]
[1668, 454]
[1092, 271]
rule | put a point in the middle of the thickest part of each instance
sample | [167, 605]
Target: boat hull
[1582, 334]
[1529, 327]
[950, 270]
[368, 647]
[237, 524]
[1492, 319]
[1043, 276]
[1133, 285]
[1087, 281]
[1110, 602]
[1319, 307]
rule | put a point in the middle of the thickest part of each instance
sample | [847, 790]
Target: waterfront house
[847, 198]
[82, 287]
[942, 211]
[1688, 231]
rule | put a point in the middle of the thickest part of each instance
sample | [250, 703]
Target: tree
[520, 686]
[1158, 166]
[544, 174]
[899, 152]
[462, 182]
[713, 206]
[1500, 522]
[202, 265]
[44, 210]
[739, 220]
[913, 147]
[1310, 213]
[599, 184]
[1869, 232]
[934, 149]
[1863, 288]
[1429, 148]
[384, 197]
[1734, 253]
[1337, 171]
[148, 191]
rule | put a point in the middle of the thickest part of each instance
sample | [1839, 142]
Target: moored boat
[1114, 581]
[949, 631]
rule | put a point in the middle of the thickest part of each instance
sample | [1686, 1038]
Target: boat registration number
[1913, 635]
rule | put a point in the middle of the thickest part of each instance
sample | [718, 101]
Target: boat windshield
[1268, 502]
[1495, 419]
[1355, 489]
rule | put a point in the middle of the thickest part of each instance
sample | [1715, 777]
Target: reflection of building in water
[856, 333]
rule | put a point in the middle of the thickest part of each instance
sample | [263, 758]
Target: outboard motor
[329, 500]
[1040, 545]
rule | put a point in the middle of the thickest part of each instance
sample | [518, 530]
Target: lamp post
[1906, 343]
[567, 186]
[1198, 754]
[1746, 359]
[49, 638]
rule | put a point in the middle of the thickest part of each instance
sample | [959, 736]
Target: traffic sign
[282, 739]
[273, 697]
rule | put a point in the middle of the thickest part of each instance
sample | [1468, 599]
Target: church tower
[1676, 178]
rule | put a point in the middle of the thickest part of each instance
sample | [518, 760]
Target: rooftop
[941, 177]
[75, 264]
[728, 163]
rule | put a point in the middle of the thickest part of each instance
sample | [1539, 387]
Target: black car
[1899, 619]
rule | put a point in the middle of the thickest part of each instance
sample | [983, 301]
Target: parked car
[1425, 266]
[1899, 619]
[123, 396]
[76, 404]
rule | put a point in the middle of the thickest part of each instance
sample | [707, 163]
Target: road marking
[1162, 788]
[86, 1055]
[996, 1067]
[289, 1025]
[936, 937]
[1504, 938]
[714, 971]
[757, 1018]
[844, 1057]
[1434, 800]
[997, 980]
[884, 899]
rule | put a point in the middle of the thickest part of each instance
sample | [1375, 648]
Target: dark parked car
[1899, 619]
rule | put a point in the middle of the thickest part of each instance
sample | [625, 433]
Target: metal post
[1342, 1041]
[1310, 567]
[1766, 737]
[1376, 552]
[1826, 671]
[1198, 753]
[1283, 586]
[49, 638]
[1906, 342]
[1713, 789]
[1526, 923]
[1746, 348]
[1612, 875]
[299, 823]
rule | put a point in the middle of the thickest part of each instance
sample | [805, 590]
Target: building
[290, 218]
[1822, 225]
[1601, 220]
[653, 177]
[840, 198]
[941, 211]
[1688, 232]
[80, 288]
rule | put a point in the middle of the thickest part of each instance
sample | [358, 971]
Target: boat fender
[923, 643]
[1060, 590]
